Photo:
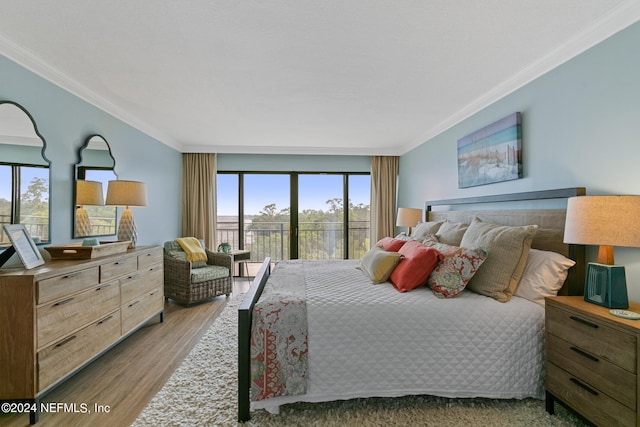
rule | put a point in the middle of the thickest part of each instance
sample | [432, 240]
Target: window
[294, 215]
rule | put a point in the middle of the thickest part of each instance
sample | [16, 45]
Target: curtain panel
[384, 184]
[199, 172]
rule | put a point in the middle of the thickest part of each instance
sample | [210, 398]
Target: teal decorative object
[224, 247]
[90, 242]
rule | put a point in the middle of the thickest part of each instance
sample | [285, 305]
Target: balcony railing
[102, 226]
[316, 240]
[37, 226]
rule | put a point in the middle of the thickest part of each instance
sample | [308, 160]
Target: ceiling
[356, 77]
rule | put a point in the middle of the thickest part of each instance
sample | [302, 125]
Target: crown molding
[309, 151]
[615, 21]
[32, 63]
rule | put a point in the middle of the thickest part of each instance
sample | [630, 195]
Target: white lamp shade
[408, 217]
[127, 193]
[603, 220]
[89, 193]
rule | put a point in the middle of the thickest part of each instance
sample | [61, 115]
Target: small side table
[241, 256]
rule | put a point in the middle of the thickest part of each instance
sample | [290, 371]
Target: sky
[264, 189]
[27, 173]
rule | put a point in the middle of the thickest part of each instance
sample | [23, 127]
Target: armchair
[191, 282]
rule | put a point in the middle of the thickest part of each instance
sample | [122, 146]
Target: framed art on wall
[491, 154]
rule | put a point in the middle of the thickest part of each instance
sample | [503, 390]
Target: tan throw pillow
[451, 233]
[507, 248]
[378, 264]
[424, 229]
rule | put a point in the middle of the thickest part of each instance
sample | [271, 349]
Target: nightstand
[592, 361]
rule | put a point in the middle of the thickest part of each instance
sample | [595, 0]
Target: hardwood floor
[117, 386]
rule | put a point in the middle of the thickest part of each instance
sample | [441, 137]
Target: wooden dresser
[592, 361]
[56, 318]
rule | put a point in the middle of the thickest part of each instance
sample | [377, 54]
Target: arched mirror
[24, 174]
[91, 218]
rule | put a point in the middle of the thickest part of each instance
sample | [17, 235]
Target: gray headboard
[550, 224]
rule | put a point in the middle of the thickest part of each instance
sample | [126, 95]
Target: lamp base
[83, 223]
[127, 228]
[606, 285]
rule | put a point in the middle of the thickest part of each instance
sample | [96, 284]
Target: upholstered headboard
[550, 224]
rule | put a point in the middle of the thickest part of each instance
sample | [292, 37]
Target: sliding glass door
[266, 215]
[359, 218]
[294, 215]
[320, 216]
[228, 210]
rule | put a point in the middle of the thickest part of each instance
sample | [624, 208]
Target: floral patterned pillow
[451, 276]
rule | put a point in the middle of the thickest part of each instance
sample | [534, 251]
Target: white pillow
[543, 275]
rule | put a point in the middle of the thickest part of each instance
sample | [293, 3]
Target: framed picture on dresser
[23, 244]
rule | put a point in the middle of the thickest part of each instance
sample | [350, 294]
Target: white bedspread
[369, 340]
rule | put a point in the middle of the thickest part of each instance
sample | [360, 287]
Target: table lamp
[408, 217]
[606, 221]
[88, 193]
[127, 194]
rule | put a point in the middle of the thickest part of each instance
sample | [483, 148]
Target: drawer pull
[584, 322]
[133, 303]
[584, 354]
[584, 386]
[133, 276]
[66, 340]
[103, 287]
[64, 301]
[105, 320]
[71, 275]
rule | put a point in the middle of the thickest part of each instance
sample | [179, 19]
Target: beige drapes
[384, 181]
[199, 196]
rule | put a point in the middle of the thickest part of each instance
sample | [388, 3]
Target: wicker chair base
[178, 286]
[199, 292]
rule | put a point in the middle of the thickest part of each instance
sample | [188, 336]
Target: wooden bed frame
[549, 237]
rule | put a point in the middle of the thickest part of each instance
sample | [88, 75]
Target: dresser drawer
[607, 377]
[141, 308]
[59, 286]
[588, 401]
[62, 357]
[57, 319]
[141, 282]
[590, 335]
[118, 268]
[153, 256]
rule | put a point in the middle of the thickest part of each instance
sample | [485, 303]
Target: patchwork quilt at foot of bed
[279, 338]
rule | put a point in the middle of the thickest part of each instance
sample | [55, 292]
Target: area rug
[203, 392]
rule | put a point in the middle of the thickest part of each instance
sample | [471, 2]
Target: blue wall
[65, 121]
[580, 129]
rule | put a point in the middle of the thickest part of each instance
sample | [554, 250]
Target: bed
[352, 339]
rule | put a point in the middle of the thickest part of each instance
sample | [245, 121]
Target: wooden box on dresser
[56, 318]
[592, 361]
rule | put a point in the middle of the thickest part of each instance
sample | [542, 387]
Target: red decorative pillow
[416, 266]
[390, 244]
